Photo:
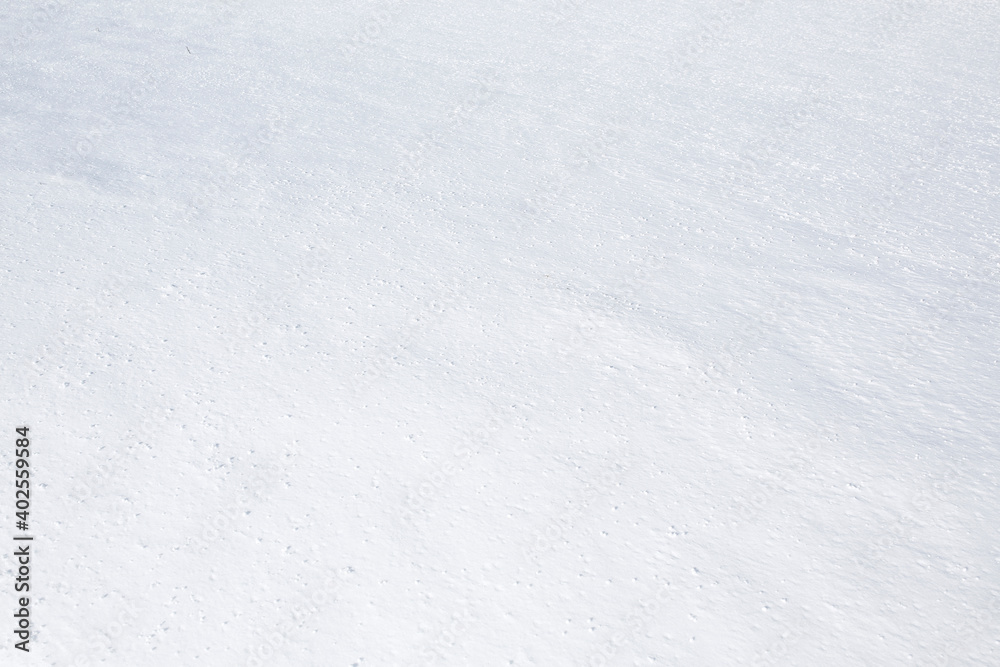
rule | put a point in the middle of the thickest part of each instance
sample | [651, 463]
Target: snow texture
[561, 332]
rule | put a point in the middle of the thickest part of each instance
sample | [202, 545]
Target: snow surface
[562, 332]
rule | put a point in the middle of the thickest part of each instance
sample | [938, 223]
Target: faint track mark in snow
[313, 265]
[262, 323]
[97, 477]
[892, 19]
[41, 17]
[441, 638]
[224, 11]
[894, 530]
[778, 651]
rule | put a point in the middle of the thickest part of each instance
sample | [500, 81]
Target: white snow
[568, 332]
